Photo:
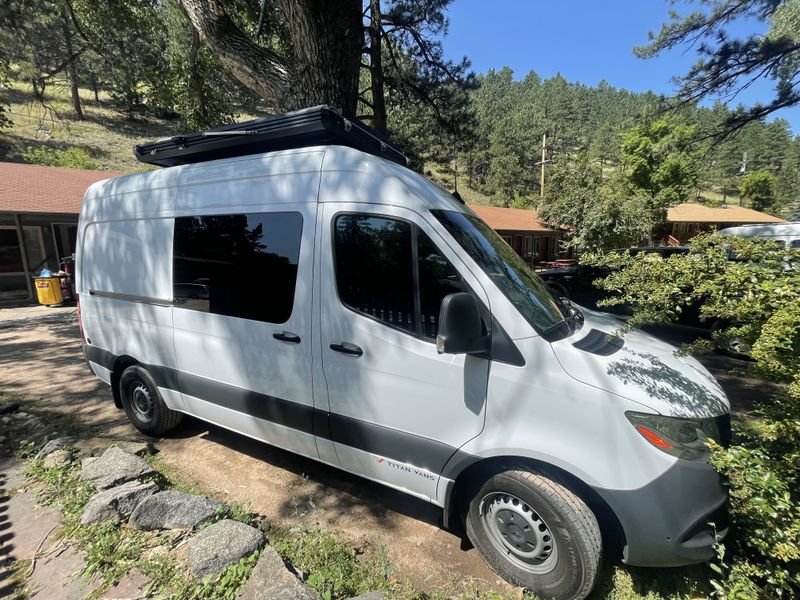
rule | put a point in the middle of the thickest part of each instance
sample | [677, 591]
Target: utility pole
[543, 162]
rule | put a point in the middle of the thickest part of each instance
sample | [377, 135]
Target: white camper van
[332, 302]
[788, 233]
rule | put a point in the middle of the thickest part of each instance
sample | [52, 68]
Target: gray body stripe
[400, 446]
[132, 298]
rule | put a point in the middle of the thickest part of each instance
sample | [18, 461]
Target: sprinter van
[330, 301]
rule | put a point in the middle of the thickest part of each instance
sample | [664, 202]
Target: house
[685, 221]
[38, 222]
[521, 228]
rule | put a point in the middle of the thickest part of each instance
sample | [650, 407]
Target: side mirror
[460, 330]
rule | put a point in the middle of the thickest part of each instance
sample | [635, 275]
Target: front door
[398, 410]
[242, 320]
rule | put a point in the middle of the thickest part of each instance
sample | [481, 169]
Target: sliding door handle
[347, 348]
[286, 336]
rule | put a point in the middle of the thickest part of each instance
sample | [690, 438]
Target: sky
[584, 40]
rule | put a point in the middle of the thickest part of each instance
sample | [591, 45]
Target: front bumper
[666, 522]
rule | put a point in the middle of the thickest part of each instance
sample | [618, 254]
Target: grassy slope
[106, 133]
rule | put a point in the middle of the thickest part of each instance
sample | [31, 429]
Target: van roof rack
[317, 126]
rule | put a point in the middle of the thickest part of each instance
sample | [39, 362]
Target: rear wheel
[143, 403]
[536, 533]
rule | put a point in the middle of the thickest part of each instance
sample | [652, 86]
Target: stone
[369, 596]
[173, 510]
[7, 409]
[116, 503]
[114, 467]
[271, 580]
[139, 448]
[57, 459]
[53, 445]
[220, 545]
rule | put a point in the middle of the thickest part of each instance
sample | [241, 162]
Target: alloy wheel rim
[518, 532]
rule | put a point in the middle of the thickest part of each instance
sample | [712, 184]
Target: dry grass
[106, 133]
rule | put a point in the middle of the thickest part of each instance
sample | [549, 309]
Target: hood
[641, 368]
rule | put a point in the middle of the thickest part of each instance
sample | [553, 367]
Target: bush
[753, 287]
[71, 158]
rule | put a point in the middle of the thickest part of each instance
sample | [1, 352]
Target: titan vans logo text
[407, 469]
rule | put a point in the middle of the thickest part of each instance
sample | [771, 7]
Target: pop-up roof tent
[315, 126]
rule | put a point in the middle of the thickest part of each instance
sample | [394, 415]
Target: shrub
[71, 158]
[752, 288]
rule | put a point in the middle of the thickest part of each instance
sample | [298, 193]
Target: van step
[317, 126]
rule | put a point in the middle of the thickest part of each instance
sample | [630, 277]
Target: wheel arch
[120, 364]
[470, 479]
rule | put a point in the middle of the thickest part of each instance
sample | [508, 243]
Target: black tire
[143, 403]
[563, 561]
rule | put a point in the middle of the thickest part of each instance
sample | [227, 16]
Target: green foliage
[71, 158]
[753, 288]
[759, 188]
[727, 64]
[661, 161]
[601, 215]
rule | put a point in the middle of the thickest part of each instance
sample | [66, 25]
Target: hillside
[107, 135]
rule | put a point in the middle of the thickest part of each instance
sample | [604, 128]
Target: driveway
[40, 358]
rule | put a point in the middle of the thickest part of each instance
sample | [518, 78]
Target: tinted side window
[237, 265]
[374, 268]
[437, 278]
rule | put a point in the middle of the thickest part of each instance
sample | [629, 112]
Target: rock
[53, 445]
[220, 545]
[139, 448]
[116, 503]
[271, 580]
[158, 553]
[114, 467]
[6, 420]
[7, 409]
[173, 510]
[369, 596]
[57, 458]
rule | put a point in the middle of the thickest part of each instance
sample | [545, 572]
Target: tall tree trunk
[326, 38]
[72, 72]
[196, 81]
[376, 67]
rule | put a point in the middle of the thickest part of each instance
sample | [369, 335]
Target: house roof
[697, 213]
[37, 189]
[510, 219]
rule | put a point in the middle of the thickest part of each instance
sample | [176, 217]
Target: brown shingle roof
[510, 219]
[697, 213]
[38, 189]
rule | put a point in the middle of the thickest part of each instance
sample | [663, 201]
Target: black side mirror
[460, 330]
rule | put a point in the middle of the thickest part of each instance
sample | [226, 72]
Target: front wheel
[143, 403]
[536, 533]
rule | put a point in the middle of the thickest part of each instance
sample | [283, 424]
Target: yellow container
[48, 290]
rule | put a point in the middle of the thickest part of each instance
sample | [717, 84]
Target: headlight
[681, 437]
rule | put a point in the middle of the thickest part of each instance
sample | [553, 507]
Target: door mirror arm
[460, 327]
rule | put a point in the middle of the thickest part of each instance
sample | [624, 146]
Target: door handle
[347, 348]
[286, 336]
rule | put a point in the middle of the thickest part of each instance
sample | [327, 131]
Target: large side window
[391, 271]
[241, 265]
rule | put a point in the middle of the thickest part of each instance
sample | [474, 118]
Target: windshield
[526, 290]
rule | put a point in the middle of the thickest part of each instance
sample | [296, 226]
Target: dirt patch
[44, 362]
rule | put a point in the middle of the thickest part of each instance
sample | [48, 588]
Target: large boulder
[114, 467]
[173, 510]
[271, 580]
[220, 545]
[116, 503]
[59, 458]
